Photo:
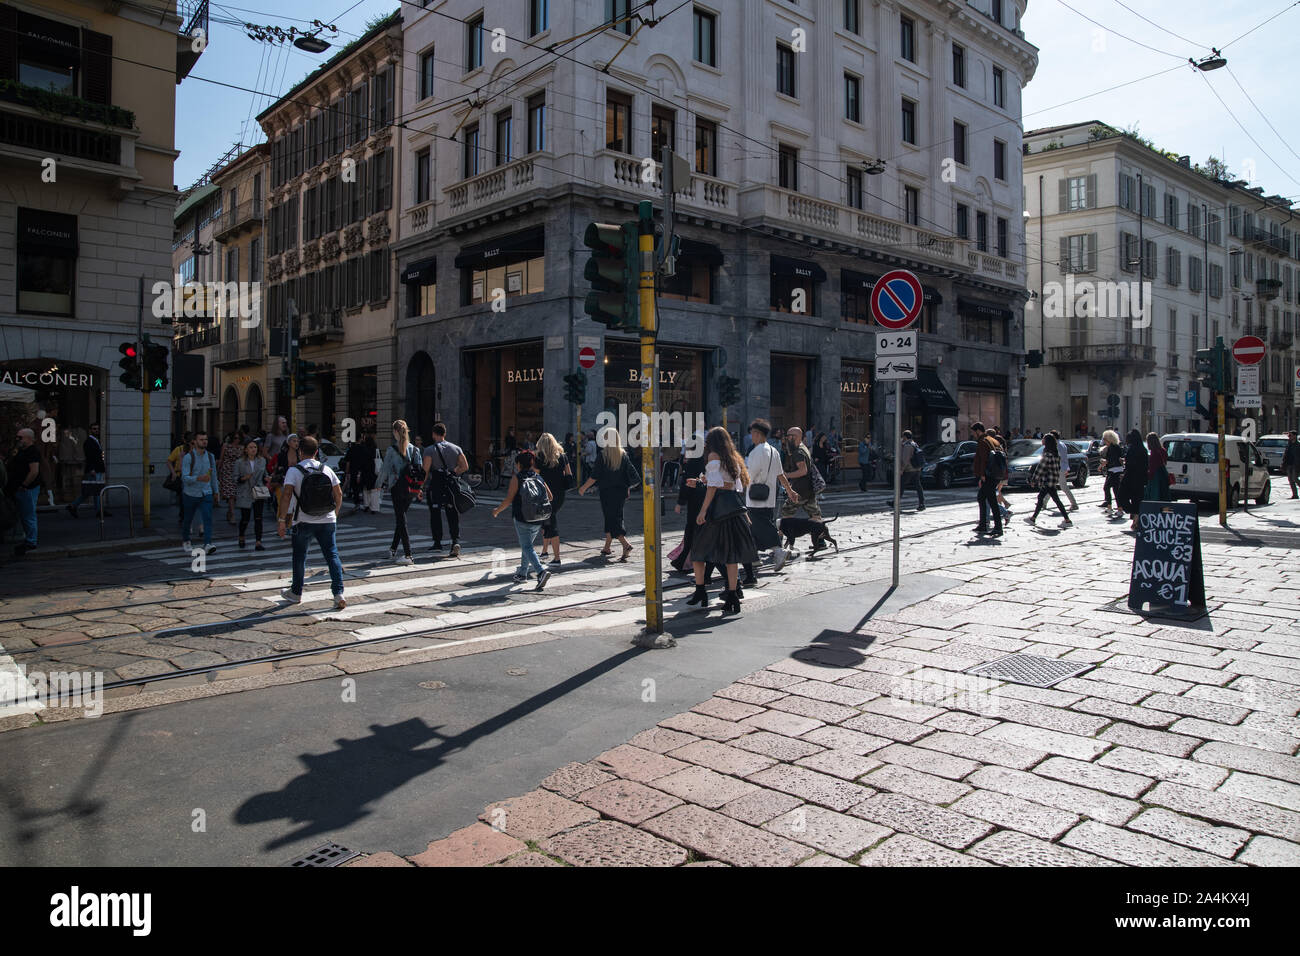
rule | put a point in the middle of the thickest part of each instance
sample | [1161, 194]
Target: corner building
[816, 135]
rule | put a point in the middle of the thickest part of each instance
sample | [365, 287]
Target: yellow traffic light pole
[654, 609]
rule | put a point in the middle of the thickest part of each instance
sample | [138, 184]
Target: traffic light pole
[654, 608]
[144, 387]
[1223, 470]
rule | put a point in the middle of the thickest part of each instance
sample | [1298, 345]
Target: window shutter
[1064, 195]
[1092, 191]
[363, 204]
[97, 64]
[386, 195]
[1092, 252]
[1065, 255]
[363, 111]
[389, 87]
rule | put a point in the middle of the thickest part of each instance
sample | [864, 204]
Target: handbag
[761, 490]
[173, 483]
[1033, 475]
[725, 504]
[462, 498]
[818, 482]
[676, 552]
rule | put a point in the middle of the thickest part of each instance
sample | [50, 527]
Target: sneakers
[392, 554]
[1074, 507]
[1068, 523]
[542, 579]
[779, 557]
[339, 603]
[292, 596]
[436, 546]
[920, 507]
[519, 578]
[455, 550]
[407, 560]
[186, 547]
[996, 533]
[555, 562]
[210, 549]
[258, 547]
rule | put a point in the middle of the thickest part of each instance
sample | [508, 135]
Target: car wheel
[943, 478]
[1082, 478]
[1264, 493]
[1234, 497]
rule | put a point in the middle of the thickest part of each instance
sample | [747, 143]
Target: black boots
[731, 602]
[700, 597]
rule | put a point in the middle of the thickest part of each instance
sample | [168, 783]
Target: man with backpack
[530, 502]
[444, 463]
[990, 467]
[802, 476]
[199, 491]
[310, 502]
[911, 460]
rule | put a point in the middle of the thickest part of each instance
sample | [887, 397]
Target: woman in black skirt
[615, 475]
[553, 466]
[723, 533]
[690, 492]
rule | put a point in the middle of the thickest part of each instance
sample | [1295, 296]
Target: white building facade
[1146, 260]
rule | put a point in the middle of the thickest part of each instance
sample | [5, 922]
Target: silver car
[1273, 447]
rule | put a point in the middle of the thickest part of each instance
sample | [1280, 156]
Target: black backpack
[996, 467]
[534, 504]
[315, 492]
[413, 470]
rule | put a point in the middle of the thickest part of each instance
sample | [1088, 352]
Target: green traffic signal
[155, 366]
[614, 273]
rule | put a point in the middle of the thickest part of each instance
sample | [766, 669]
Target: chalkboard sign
[1167, 571]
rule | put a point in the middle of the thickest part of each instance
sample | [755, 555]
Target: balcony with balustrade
[244, 217]
[321, 327]
[250, 351]
[488, 190]
[1118, 357]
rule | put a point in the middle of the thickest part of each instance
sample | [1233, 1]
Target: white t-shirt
[764, 465]
[293, 478]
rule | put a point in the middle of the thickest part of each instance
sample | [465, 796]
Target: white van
[1274, 448]
[1194, 465]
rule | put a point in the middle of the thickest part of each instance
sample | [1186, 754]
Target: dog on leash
[795, 528]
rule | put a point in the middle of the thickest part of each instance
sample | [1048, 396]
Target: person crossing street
[910, 460]
[309, 503]
[201, 491]
[798, 465]
[990, 468]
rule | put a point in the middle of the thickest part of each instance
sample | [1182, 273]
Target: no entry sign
[1248, 350]
[896, 300]
[587, 357]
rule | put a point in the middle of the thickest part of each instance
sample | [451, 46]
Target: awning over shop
[784, 266]
[982, 310]
[863, 282]
[705, 253]
[513, 247]
[930, 391]
[421, 272]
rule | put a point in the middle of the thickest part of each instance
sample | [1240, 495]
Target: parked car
[1090, 447]
[1194, 465]
[1026, 452]
[947, 463]
[331, 455]
[1273, 447]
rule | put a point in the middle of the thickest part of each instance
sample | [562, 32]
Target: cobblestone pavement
[1177, 747]
[206, 625]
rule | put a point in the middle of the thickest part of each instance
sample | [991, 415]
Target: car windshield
[329, 449]
[1025, 448]
[1272, 442]
[938, 449]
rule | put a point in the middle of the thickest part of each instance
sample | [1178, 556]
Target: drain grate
[1030, 670]
[328, 854]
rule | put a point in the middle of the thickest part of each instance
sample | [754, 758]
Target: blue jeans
[203, 505]
[324, 535]
[90, 476]
[527, 554]
[26, 498]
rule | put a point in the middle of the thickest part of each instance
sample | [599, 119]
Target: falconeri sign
[46, 379]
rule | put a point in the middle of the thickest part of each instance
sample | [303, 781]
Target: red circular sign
[1248, 350]
[897, 299]
[587, 357]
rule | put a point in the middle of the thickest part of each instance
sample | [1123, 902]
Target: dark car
[948, 463]
[1090, 447]
[1024, 454]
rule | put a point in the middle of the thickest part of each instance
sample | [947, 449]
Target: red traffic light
[127, 349]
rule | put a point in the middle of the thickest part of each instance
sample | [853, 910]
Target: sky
[1085, 46]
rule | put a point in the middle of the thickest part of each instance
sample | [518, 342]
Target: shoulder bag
[462, 498]
[761, 490]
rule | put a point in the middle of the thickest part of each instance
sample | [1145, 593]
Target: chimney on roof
[1185, 161]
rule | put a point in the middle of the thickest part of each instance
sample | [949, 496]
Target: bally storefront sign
[516, 375]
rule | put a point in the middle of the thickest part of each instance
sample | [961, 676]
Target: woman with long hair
[1048, 479]
[615, 475]
[723, 536]
[525, 529]
[250, 475]
[231, 452]
[1157, 486]
[553, 465]
[402, 475]
[1135, 475]
[1112, 463]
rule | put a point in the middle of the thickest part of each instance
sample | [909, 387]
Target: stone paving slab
[1177, 750]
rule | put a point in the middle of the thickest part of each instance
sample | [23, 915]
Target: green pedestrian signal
[156, 356]
[130, 365]
[614, 273]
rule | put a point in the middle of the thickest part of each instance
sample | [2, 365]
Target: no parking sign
[897, 300]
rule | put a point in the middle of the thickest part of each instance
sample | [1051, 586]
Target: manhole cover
[329, 854]
[517, 671]
[1030, 670]
[433, 684]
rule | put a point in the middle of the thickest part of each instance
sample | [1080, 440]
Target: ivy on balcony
[49, 103]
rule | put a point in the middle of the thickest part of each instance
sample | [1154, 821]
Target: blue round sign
[897, 299]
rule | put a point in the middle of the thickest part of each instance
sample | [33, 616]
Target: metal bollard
[130, 509]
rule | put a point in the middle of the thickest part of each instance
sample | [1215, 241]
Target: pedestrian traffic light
[728, 390]
[614, 273]
[1034, 359]
[1112, 406]
[130, 365]
[305, 372]
[1210, 367]
[155, 365]
[575, 387]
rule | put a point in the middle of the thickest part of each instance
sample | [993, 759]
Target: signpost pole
[898, 471]
[577, 445]
[1223, 472]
